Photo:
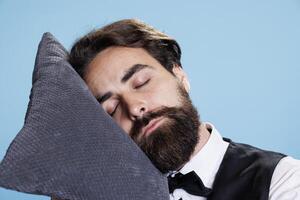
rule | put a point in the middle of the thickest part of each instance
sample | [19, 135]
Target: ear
[181, 76]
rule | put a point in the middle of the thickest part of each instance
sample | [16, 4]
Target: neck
[203, 138]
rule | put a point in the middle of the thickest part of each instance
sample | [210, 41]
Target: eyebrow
[132, 70]
[104, 97]
[128, 74]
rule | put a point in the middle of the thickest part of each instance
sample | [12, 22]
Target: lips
[152, 125]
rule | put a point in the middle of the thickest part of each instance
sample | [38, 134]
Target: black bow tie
[190, 182]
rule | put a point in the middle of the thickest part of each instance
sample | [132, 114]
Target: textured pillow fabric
[69, 148]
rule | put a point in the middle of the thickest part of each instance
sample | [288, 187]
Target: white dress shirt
[285, 182]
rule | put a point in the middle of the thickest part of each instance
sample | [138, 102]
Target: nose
[136, 106]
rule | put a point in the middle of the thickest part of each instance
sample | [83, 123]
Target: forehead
[111, 64]
[120, 58]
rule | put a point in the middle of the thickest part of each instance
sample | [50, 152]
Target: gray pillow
[69, 148]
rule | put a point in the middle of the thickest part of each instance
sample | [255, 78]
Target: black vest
[245, 173]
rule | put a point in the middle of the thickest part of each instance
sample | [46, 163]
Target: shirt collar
[207, 161]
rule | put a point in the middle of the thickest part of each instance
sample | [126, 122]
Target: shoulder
[285, 182]
[260, 159]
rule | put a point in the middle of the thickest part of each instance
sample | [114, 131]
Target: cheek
[124, 123]
[164, 95]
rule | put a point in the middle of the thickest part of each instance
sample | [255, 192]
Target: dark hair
[126, 33]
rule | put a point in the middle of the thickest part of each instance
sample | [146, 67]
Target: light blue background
[242, 58]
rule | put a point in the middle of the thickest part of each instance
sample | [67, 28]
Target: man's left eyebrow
[132, 70]
[104, 97]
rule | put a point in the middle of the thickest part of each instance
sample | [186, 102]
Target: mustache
[147, 117]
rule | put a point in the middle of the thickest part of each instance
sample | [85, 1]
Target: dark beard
[171, 144]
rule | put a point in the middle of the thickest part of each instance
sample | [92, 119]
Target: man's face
[147, 101]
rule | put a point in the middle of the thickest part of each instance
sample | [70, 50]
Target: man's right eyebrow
[104, 97]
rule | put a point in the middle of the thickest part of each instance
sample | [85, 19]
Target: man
[135, 73]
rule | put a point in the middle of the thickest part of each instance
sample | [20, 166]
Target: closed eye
[142, 84]
[114, 110]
